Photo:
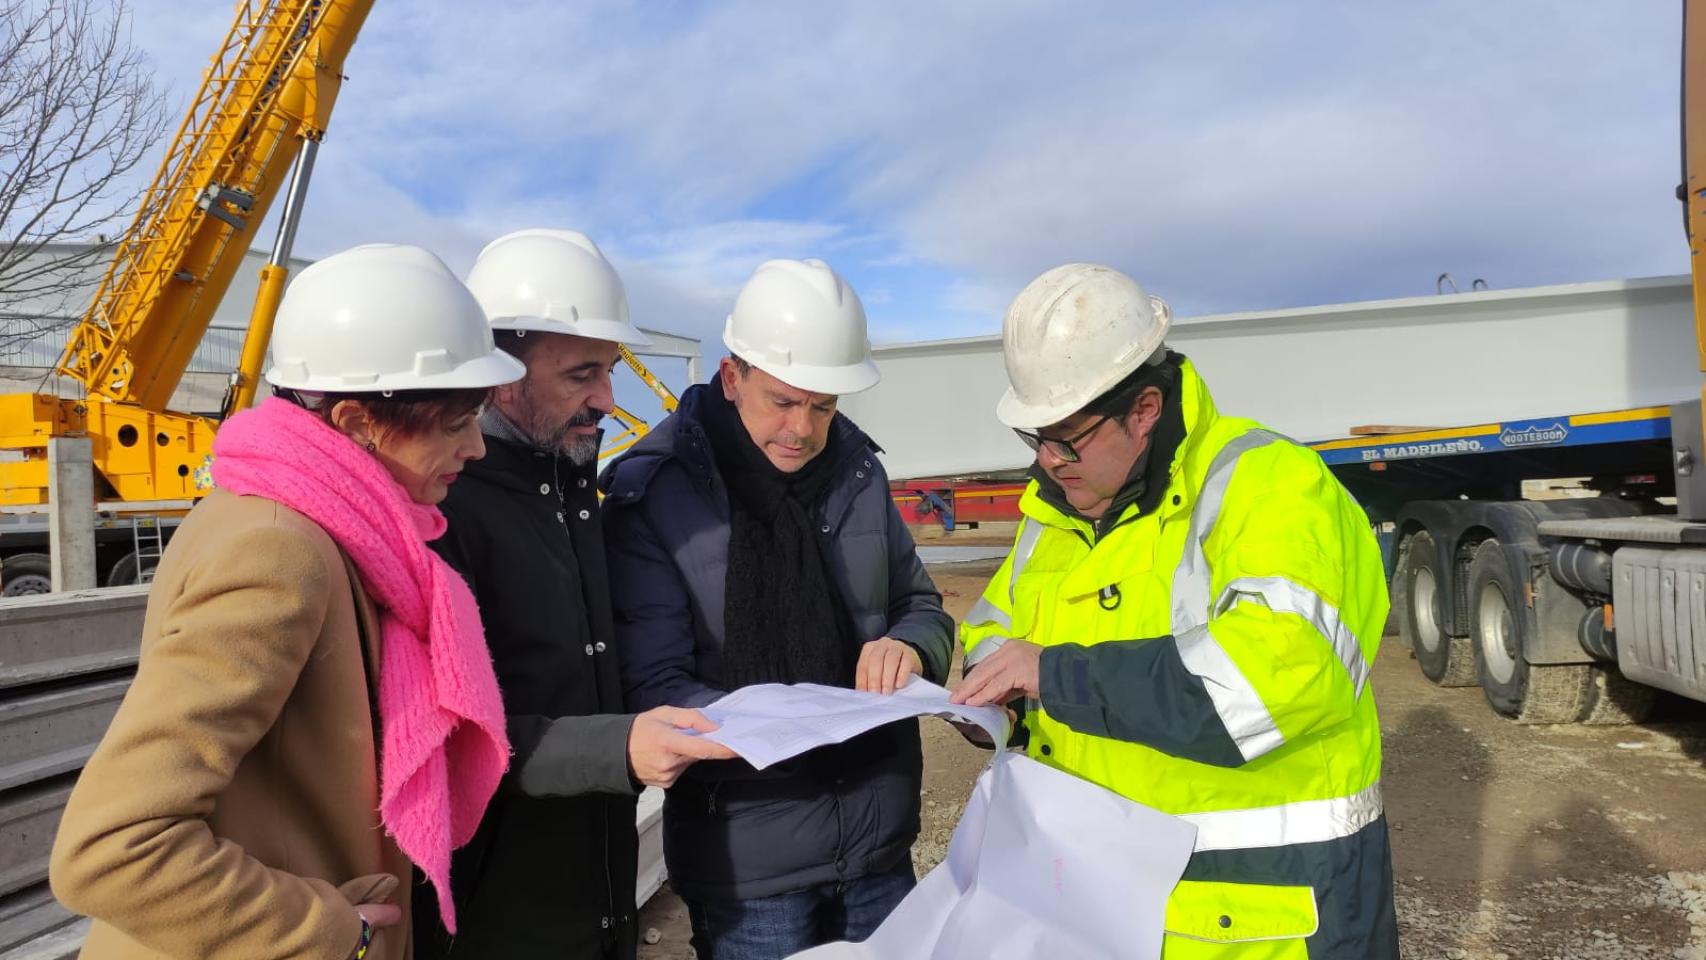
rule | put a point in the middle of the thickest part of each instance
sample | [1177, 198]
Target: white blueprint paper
[1042, 864]
[769, 722]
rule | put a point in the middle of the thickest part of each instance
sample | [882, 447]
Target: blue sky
[1230, 155]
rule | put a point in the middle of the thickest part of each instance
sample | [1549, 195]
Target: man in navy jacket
[752, 539]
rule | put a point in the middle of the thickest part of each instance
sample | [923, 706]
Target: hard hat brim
[614, 331]
[492, 370]
[1013, 412]
[834, 381]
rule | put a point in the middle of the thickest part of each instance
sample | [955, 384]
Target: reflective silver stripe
[1283, 596]
[981, 652]
[1240, 708]
[1307, 821]
[983, 612]
[1029, 533]
[1193, 580]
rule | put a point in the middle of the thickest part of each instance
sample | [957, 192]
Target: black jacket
[551, 872]
[836, 813]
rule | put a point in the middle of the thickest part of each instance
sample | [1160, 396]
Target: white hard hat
[1070, 336]
[800, 322]
[553, 281]
[384, 317]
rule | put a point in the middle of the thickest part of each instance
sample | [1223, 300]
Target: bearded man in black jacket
[551, 871]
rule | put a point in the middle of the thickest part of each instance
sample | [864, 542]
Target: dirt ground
[1510, 842]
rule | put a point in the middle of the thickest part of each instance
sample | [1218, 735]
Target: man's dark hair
[516, 343]
[407, 412]
[1118, 400]
[741, 365]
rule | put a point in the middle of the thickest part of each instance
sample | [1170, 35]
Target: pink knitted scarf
[443, 746]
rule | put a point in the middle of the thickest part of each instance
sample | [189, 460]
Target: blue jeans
[771, 928]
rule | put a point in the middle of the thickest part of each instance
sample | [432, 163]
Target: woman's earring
[372, 447]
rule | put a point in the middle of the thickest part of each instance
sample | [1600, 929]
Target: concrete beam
[71, 512]
[1313, 373]
[33, 926]
[57, 636]
[45, 734]
[29, 818]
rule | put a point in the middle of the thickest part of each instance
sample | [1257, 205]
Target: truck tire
[126, 571]
[1515, 688]
[1418, 585]
[1557, 693]
[26, 574]
[1615, 699]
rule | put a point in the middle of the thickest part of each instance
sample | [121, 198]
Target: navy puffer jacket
[834, 814]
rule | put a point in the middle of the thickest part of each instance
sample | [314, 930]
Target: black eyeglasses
[1064, 449]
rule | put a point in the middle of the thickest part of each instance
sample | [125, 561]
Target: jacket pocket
[1243, 920]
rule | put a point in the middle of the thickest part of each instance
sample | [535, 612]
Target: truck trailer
[1446, 416]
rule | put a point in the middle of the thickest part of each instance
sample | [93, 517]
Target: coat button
[544, 488]
[589, 649]
[1225, 922]
[867, 463]
[825, 528]
[582, 483]
[1176, 500]
[559, 516]
[859, 473]
[1047, 750]
[585, 514]
[599, 646]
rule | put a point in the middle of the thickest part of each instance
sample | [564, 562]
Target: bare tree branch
[79, 111]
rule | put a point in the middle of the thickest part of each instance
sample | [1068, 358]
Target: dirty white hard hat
[384, 317]
[1070, 336]
[800, 322]
[553, 281]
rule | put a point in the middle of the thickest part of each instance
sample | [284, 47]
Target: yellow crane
[260, 112]
[634, 427]
[255, 122]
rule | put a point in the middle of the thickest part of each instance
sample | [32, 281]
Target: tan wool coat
[231, 809]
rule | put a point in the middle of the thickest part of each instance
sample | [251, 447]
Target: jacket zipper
[609, 888]
[609, 920]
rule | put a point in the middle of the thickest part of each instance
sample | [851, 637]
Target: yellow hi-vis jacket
[1210, 659]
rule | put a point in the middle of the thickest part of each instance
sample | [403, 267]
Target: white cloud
[1234, 156]
[686, 279]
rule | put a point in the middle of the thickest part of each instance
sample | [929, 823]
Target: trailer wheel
[26, 574]
[1553, 693]
[1444, 659]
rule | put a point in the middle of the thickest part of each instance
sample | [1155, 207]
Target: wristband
[366, 939]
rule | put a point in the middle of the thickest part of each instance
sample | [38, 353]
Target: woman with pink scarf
[314, 709]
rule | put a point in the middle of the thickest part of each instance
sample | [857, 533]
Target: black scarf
[783, 616]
